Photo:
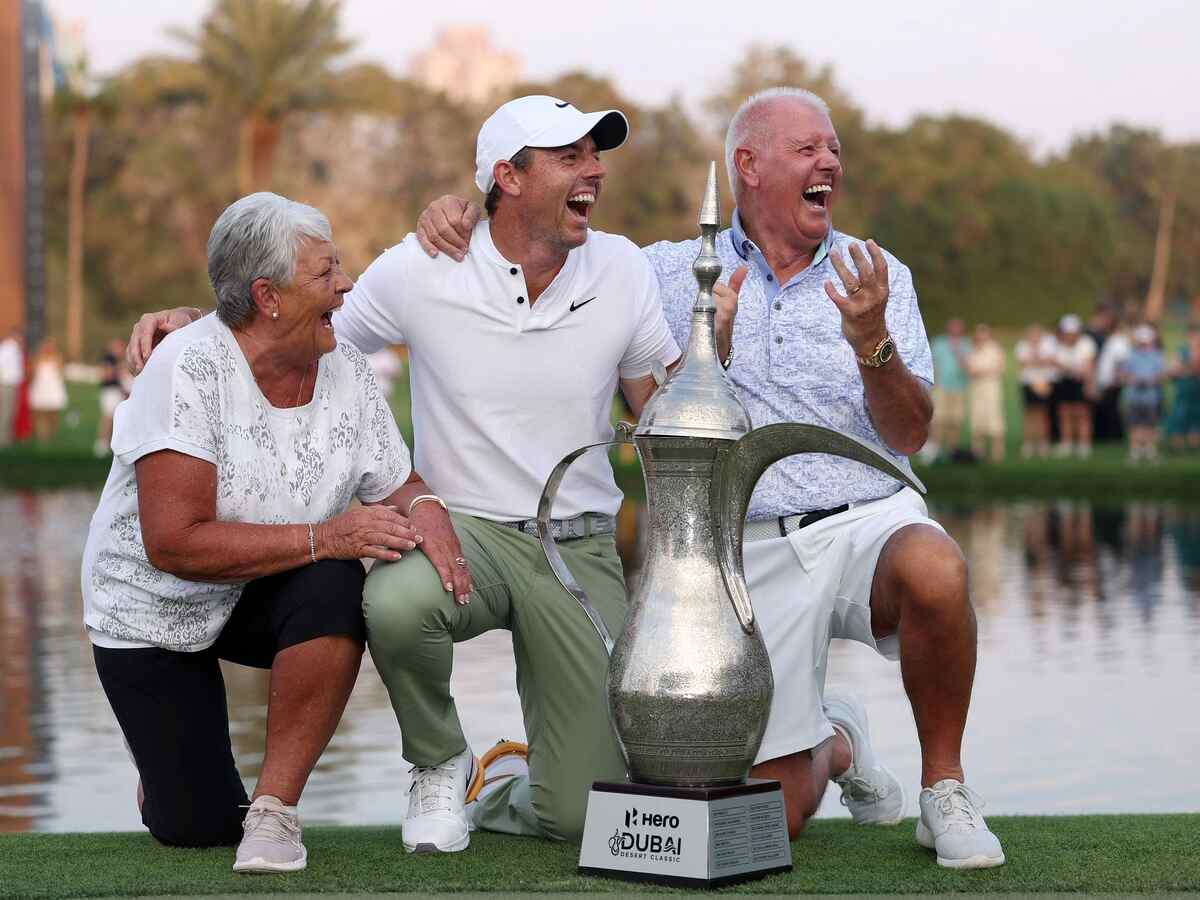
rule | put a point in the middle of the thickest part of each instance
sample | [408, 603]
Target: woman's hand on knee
[376, 532]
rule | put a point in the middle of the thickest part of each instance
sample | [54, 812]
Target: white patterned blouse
[274, 466]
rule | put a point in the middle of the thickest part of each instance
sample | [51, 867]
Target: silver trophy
[689, 680]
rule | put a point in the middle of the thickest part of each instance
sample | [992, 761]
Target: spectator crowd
[1108, 381]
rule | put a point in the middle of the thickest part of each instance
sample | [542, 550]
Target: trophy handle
[557, 566]
[738, 471]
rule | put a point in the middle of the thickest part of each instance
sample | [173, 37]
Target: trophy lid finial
[710, 206]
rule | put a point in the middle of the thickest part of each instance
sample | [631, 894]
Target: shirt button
[778, 305]
[512, 271]
[779, 340]
[520, 299]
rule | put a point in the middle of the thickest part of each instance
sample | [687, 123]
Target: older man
[833, 548]
[514, 358]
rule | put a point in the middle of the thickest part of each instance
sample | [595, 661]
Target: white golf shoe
[870, 791]
[436, 821]
[951, 824]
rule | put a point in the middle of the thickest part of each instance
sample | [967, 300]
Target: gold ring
[854, 290]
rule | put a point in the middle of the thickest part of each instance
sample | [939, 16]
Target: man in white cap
[514, 355]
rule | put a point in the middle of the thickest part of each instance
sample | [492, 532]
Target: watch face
[887, 351]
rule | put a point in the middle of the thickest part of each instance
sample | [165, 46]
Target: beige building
[463, 64]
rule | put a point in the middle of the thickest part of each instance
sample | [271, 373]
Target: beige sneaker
[271, 840]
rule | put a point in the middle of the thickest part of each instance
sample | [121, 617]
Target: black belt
[788, 524]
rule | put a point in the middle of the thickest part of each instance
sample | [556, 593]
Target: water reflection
[1089, 623]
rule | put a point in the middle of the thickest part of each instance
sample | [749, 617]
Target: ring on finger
[854, 290]
[460, 562]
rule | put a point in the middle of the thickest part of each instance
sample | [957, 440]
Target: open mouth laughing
[580, 205]
[816, 196]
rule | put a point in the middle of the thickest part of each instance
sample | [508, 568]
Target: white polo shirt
[501, 391]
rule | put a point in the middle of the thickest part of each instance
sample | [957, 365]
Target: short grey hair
[258, 237]
[746, 125]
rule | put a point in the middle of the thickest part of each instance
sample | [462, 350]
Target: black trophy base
[688, 837]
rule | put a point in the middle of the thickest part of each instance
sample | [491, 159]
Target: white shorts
[110, 398]
[813, 585]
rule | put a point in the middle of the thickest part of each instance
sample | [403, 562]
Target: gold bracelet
[432, 498]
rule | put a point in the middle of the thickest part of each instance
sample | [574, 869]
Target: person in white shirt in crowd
[1107, 420]
[1037, 363]
[832, 548]
[1075, 388]
[12, 372]
[985, 364]
[47, 391]
[116, 382]
[225, 532]
[514, 357]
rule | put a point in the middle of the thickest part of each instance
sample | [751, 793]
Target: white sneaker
[870, 791]
[951, 824]
[507, 759]
[271, 839]
[435, 821]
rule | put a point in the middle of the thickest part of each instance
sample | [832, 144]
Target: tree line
[258, 97]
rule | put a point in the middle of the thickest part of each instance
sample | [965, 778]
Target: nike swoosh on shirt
[575, 306]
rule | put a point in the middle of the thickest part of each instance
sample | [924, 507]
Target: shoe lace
[959, 807]
[857, 788]
[433, 788]
[271, 824]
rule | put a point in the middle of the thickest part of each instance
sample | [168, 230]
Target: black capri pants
[171, 705]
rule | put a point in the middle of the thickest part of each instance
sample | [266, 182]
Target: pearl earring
[275, 314]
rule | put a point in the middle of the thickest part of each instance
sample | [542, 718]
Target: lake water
[1085, 698]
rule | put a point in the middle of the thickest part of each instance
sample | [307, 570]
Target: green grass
[1069, 854]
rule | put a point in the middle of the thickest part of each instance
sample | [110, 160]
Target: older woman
[224, 532]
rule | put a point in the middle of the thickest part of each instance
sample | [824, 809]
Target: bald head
[752, 126]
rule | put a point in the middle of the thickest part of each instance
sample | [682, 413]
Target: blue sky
[1044, 70]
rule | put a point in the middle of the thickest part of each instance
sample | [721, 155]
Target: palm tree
[77, 98]
[1171, 165]
[265, 59]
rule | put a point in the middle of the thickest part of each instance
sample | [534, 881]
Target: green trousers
[413, 624]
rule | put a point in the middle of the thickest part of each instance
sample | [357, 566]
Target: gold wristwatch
[884, 351]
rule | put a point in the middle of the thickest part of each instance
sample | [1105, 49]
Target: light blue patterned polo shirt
[792, 364]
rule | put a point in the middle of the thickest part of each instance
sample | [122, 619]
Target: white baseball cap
[1070, 324]
[541, 121]
[1144, 334]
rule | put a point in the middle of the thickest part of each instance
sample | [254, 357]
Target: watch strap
[882, 353]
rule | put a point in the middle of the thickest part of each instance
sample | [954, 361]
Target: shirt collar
[743, 246]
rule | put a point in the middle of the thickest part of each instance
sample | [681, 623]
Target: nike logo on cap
[575, 306]
[562, 105]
